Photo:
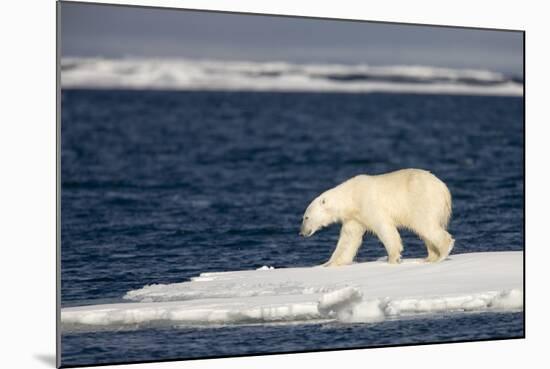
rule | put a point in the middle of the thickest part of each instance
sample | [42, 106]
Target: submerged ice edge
[347, 305]
[196, 75]
[355, 309]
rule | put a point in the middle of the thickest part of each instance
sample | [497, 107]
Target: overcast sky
[113, 31]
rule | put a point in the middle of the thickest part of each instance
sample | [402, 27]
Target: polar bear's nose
[305, 232]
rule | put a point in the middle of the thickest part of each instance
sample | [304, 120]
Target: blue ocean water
[160, 186]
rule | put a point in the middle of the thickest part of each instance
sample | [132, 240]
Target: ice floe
[361, 292]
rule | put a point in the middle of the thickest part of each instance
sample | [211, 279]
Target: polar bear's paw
[334, 263]
[394, 259]
[431, 258]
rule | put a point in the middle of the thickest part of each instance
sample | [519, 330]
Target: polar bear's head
[320, 213]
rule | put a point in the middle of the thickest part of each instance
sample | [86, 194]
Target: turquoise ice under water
[158, 187]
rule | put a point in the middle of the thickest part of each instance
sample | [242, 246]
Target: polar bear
[409, 198]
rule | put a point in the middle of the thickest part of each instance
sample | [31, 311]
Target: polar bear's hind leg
[445, 244]
[438, 242]
[433, 254]
[389, 236]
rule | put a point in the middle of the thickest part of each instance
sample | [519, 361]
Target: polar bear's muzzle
[306, 232]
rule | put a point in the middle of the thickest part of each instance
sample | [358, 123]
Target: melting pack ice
[362, 292]
[187, 74]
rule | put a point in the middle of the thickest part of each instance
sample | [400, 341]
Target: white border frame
[28, 186]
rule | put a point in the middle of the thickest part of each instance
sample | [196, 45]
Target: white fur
[408, 198]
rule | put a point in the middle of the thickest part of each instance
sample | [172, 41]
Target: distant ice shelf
[362, 292]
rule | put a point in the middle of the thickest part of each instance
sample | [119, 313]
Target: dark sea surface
[158, 187]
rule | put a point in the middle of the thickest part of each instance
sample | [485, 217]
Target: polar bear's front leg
[351, 237]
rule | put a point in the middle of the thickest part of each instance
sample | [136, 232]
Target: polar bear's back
[407, 196]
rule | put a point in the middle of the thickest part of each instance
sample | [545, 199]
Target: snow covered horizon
[229, 75]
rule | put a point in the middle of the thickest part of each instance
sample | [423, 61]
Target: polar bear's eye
[323, 201]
